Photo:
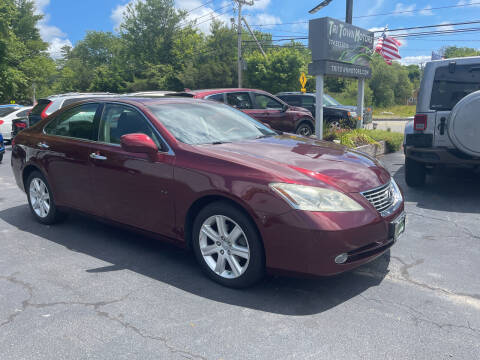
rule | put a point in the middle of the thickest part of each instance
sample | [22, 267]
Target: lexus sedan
[208, 177]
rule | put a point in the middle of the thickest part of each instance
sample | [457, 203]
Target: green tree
[454, 51]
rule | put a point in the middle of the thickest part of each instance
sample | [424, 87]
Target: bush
[359, 137]
[393, 140]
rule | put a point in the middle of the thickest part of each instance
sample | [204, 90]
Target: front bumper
[308, 242]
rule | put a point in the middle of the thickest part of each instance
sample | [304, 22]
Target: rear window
[41, 105]
[450, 87]
[22, 113]
[7, 110]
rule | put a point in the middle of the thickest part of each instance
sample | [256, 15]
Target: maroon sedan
[206, 176]
[262, 106]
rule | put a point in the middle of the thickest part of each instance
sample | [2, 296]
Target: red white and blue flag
[387, 46]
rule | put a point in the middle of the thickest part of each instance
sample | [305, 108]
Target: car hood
[307, 161]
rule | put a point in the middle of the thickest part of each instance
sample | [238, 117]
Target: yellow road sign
[303, 80]
[303, 90]
[12, 102]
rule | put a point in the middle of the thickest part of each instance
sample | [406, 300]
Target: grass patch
[395, 111]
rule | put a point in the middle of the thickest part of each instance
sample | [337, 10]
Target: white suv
[446, 127]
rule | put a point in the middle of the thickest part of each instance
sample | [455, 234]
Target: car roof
[77, 95]
[205, 92]
[294, 93]
[142, 100]
[12, 105]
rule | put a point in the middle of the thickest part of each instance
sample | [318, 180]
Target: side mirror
[138, 143]
[285, 108]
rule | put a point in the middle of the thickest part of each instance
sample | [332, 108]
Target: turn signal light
[420, 122]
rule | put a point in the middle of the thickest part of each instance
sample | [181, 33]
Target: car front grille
[381, 198]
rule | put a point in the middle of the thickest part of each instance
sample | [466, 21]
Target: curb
[373, 150]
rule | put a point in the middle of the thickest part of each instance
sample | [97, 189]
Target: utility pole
[240, 3]
[349, 13]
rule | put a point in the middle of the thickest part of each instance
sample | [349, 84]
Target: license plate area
[397, 227]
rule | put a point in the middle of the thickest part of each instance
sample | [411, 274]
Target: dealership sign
[339, 48]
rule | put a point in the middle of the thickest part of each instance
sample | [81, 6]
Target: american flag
[387, 46]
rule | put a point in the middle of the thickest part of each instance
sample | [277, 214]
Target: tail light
[420, 122]
[21, 125]
[44, 114]
[1, 122]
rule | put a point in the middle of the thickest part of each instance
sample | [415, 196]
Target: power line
[188, 22]
[198, 7]
[431, 26]
[381, 14]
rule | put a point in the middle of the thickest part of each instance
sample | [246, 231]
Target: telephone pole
[240, 3]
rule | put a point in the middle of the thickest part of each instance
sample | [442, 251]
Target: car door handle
[42, 145]
[97, 156]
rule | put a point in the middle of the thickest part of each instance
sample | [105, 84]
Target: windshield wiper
[263, 136]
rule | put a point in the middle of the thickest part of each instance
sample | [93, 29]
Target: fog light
[340, 259]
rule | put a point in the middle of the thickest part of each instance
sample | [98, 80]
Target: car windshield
[330, 101]
[208, 123]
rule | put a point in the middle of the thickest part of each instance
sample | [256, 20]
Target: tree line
[156, 48]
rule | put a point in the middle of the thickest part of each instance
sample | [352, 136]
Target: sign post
[338, 49]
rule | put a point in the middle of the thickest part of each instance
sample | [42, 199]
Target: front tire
[415, 173]
[227, 246]
[304, 129]
[40, 199]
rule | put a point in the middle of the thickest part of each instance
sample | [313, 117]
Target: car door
[272, 112]
[64, 149]
[132, 188]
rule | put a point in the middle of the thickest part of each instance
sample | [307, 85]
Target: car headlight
[396, 193]
[352, 114]
[311, 198]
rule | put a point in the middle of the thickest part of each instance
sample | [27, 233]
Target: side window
[239, 100]
[215, 97]
[118, 120]
[308, 101]
[77, 122]
[266, 102]
[293, 100]
[449, 88]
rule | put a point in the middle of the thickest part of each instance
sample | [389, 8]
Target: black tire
[54, 215]
[1, 158]
[255, 269]
[415, 173]
[304, 129]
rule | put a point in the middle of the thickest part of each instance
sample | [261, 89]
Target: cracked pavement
[86, 290]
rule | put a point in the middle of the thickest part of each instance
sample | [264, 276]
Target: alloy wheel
[39, 198]
[224, 246]
[305, 131]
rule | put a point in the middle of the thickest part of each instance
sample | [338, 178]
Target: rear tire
[41, 201]
[230, 254]
[415, 173]
[1, 158]
[304, 129]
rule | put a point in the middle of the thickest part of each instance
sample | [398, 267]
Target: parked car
[445, 130]
[7, 120]
[19, 124]
[334, 113]
[204, 175]
[47, 106]
[262, 106]
[2, 148]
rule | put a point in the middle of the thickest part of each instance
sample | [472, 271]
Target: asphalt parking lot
[86, 290]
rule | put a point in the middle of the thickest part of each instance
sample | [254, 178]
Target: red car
[206, 176]
[262, 106]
